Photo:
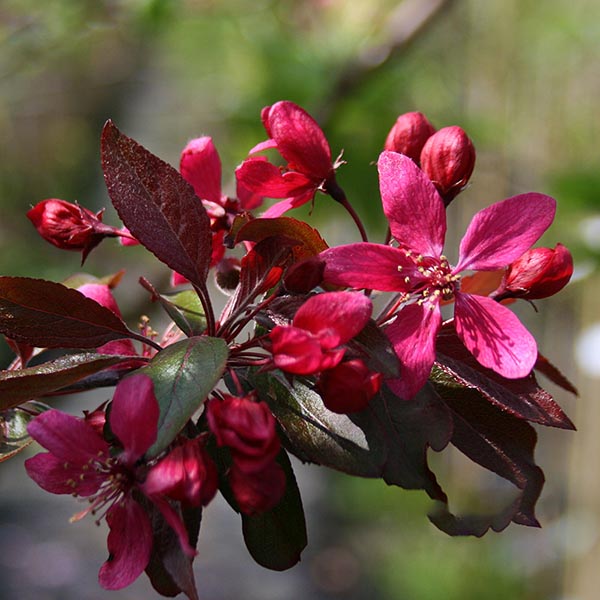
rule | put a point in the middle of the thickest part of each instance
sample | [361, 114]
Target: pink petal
[68, 438]
[60, 477]
[341, 314]
[501, 233]
[129, 545]
[174, 520]
[101, 293]
[495, 336]
[411, 204]
[262, 177]
[282, 207]
[200, 166]
[134, 416]
[413, 336]
[299, 139]
[262, 146]
[370, 266]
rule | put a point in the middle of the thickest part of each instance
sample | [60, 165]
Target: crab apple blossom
[448, 159]
[82, 463]
[302, 143]
[409, 134]
[258, 491]
[539, 273]
[322, 325]
[496, 237]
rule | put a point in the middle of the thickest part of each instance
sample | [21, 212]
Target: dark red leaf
[49, 315]
[522, 398]
[19, 386]
[544, 366]
[500, 443]
[157, 205]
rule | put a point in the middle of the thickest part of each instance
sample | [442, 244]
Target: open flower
[497, 236]
[302, 143]
[315, 339]
[80, 462]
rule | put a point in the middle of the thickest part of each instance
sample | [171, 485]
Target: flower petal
[411, 204]
[129, 545]
[282, 207]
[502, 232]
[60, 477]
[296, 350]
[299, 139]
[134, 416]
[494, 335]
[68, 438]
[174, 520]
[259, 176]
[200, 166]
[370, 266]
[413, 336]
[339, 315]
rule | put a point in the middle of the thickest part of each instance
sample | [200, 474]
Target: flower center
[440, 284]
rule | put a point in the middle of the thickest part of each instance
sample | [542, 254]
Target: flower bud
[539, 273]
[348, 387]
[187, 474]
[248, 428]
[69, 226]
[257, 492]
[409, 134]
[448, 159]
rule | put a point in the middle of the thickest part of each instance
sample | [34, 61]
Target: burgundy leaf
[50, 315]
[523, 398]
[500, 443]
[544, 366]
[21, 385]
[157, 205]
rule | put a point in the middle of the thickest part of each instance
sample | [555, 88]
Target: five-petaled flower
[302, 143]
[82, 463]
[496, 237]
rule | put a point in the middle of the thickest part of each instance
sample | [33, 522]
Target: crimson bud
[409, 134]
[448, 159]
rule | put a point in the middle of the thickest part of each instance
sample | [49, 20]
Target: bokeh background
[521, 76]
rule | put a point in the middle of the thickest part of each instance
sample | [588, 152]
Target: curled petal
[341, 314]
[495, 336]
[282, 207]
[411, 204]
[299, 139]
[200, 166]
[129, 545]
[502, 232]
[370, 266]
[413, 336]
[260, 176]
[134, 416]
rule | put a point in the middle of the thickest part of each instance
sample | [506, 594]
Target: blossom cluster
[360, 357]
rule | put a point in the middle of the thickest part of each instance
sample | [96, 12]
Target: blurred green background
[521, 76]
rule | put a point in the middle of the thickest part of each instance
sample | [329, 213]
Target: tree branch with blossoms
[299, 361]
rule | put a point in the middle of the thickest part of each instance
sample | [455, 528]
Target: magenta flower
[323, 324]
[81, 463]
[496, 237]
[302, 143]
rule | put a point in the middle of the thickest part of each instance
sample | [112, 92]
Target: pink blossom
[322, 325]
[302, 143]
[497, 236]
[81, 463]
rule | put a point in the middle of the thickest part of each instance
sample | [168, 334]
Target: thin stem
[337, 193]
[208, 309]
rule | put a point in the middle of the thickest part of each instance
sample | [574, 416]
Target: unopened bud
[409, 134]
[348, 387]
[448, 159]
[539, 273]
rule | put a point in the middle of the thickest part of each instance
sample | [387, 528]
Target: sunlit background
[521, 76]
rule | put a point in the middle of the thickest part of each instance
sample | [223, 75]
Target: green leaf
[277, 537]
[183, 375]
[186, 310]
[21, 385]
